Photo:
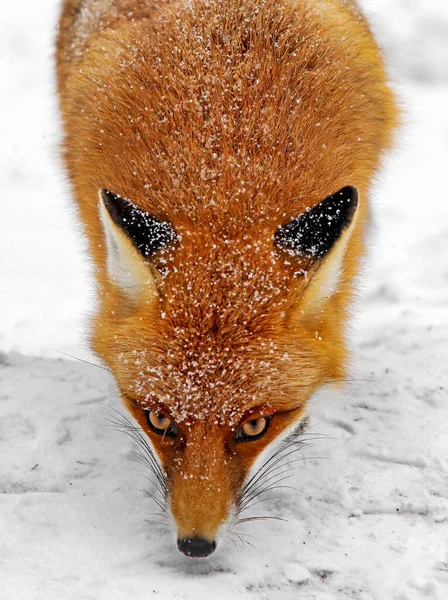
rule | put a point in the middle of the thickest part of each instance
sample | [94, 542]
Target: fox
[221, 155]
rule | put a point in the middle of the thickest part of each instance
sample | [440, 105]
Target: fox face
[221, 155]
[216, 354]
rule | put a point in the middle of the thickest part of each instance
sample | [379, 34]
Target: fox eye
[161, 424]
[252, 430]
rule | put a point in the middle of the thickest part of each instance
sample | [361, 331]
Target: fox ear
[132, 237]
[321, 234]
[315, 232]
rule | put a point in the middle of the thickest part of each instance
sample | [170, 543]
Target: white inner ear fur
[125, 266]
[327, 278]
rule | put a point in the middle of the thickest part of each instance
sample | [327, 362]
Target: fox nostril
[196, 547]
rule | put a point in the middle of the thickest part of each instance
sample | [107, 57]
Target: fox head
[227, 148]
[217, 340]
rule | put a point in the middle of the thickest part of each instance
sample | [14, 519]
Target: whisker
[123, 424]
[156, 500]
[288, 442]
[245, 534]
[163, 533]
[160, 523]
[329, 381]
[250, 502]
[161, 502]
[272, 474]
[156, 514]
[143, 458]
[162, 492]
[275, 459]
[239, 537]
[286, 464]
[243, 541]
[266, 518]
[82, 360]
[234, 543]
[269, 488]
[268, 468]
[272, 462]
[257, 502]
[144, 454]
[279, 462]
[262, 489]
[255, 490]
[251, 545]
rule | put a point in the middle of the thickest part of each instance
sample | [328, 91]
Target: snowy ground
[372, 521]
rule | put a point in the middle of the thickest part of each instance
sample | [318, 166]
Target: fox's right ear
[132, 237]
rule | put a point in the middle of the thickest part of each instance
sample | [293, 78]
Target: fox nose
[196, 547]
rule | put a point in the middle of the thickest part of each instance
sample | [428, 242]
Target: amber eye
[252, 430]
[161, 424]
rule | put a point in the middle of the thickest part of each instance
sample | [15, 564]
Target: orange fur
[227, 118]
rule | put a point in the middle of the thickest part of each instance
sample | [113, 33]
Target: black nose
[196, 547]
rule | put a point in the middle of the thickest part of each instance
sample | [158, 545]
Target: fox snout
[203, 469]
[202, 492]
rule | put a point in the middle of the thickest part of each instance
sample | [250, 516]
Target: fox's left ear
[320, 235]
[132, 238]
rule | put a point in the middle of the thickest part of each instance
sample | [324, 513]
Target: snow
[45, 273]
[296, 574]
[371, 519]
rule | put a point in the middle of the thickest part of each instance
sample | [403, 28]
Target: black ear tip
[115, 205]
[108, 198]
[316, 231]
[350, 194]
[345, 201]
[349, 191]
[147, 233]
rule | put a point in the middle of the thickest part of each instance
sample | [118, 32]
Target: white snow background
[371, 522]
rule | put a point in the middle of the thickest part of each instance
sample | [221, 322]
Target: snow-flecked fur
[226, 118]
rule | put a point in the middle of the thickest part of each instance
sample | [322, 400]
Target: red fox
[221, 154]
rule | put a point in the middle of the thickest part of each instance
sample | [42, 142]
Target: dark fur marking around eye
[315, 232]
[148, 234]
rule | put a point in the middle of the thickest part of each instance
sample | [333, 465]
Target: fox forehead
[231, 283]
[217, 381]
